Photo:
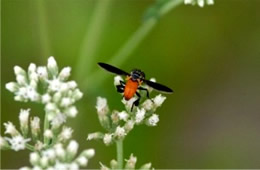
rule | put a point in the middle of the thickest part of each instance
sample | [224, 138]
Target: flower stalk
[120, 153]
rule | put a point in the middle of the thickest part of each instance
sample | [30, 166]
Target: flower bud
[82, 161]
[120, 132]
[24, 119]
[146, 166]
[158, 100]
[19, 71]
[71, 111]
[72, 148]
[46, 98]
[3, 143]
[139, 117]
[129, 125]
[113, 164]
[52, 66]
[12, 87]
[107, 139]
[65, 73]
[77, 94]
[89, 153]
[10, 129]
[96, 135]
[42, 72]
[130, 163]
[21, 80]
[48, 134]
[35, 127]
[34, 158]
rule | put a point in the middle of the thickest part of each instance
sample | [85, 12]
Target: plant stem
[46, 126]
[133, 42]
[120, 155]
[92, 38]
[30, 147]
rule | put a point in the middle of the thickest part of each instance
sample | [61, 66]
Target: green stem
[30, 147]
[46, 126]
[133, 42]
[120, 155]
[92, 38]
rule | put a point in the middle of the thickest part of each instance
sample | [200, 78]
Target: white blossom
[21, 79]
[35, 124]
[48, 133]
[58, 120]
[107, 139]
[72, 111]
[49, 153]
[65, 102]
[130, 163]
[65, 134]
[117, 80]
[46, 98]
[72, 148]
[129, 125]
[153, 120]
[12, 86]
[65, 73]
[88, 153]
[120, 132]
[34, 158]
[96, 135]
[129, 103]
[42, 72]
[123, 115]
[101, 106]
[10, 129]
[158, 100]
[139, 117]
[24, 117]
[82, 161]
[17, 142]
[19, 71]
[72, 84]
[148, 104]
[54, 85]
[52, 66]
[3, 143]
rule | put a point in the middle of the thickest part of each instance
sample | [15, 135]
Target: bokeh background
[210, 56]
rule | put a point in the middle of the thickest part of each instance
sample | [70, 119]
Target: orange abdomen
[130, 89]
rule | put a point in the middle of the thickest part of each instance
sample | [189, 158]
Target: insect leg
[120, 88]
[136, 103]
[147, 92]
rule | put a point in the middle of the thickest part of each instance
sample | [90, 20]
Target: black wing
[158, 86]
[113, 69]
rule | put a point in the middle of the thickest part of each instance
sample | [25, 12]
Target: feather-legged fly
[134, 80]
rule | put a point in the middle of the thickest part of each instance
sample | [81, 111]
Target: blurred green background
[210, 56]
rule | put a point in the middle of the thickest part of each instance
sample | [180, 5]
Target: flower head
[153, 120]
[139, 117]
[158, 100]
[120, 132]
[107, 139]
[17, 142]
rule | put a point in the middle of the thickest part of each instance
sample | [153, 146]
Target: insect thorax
[137, 74]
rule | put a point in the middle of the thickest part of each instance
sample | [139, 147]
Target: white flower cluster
[119, 123]
[19, 140]
[130, 164]
[48, 86]
[201, 3]
[60, 158]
